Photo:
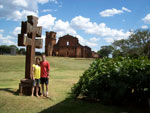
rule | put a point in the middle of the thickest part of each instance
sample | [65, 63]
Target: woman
[36, 72]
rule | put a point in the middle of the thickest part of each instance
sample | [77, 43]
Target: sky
[95, 23]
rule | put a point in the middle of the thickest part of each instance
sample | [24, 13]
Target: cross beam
[25, 41]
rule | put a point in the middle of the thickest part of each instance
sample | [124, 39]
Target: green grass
[64, 73]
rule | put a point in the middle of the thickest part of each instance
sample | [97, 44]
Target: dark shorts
[44, 81]
[36, 82]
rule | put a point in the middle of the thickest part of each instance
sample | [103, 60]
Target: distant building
[67, 46]
[13, 50]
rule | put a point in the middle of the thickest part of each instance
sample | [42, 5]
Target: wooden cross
[29, 32]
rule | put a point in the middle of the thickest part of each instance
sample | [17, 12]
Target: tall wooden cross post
[29, 32]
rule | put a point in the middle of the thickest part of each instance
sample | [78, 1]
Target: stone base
[25, 87]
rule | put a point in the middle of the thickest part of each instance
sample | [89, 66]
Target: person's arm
[32, 73]
[48, 73]
[48, 69]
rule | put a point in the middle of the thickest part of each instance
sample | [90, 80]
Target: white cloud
[63, 28]
[109, 39]
[101, 29]
[43, 1]
[16, 31]
[125, 9]
[81, 22]
[46, 21]
[144, 27]
[8, 40]
[113, 11]
[19, 15]
[55, 1]
[91, 44]
[85, 42]
[46, 1]
[1, 6]
[1, 30]
[46, 10]
[20, 3]
[18, 9]
[94, 39]
[110, 12]
[146, 19]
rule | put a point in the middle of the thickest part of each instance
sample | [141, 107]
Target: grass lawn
[64, 73]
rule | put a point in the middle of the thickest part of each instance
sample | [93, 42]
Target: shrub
[117, 80]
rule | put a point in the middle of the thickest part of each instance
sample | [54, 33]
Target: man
[45, 68]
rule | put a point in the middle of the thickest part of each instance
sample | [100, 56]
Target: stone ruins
[67, 46]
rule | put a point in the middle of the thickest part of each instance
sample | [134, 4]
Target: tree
[105, 51]
[22, 51]
[138, 44]
[4, 49]
[116, 53]
[120, 47]
[140, 41]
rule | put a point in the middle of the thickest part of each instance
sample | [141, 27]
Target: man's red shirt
[45, 66]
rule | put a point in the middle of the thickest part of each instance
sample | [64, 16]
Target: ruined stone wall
[65, 51]
[67, 46]
[68, 40]
[87, 53]
[79, 51]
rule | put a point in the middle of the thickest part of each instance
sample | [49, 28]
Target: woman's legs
[37, 90]
[32, 91]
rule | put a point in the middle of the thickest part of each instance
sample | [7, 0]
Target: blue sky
[94, 22]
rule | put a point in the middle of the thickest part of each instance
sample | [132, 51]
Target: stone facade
[67, 46]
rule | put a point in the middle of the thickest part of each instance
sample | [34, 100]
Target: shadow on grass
[10, 90]
[70, 105]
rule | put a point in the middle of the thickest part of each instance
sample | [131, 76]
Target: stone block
[23, 40]
[38, 43]
[39, 31]
[25, 87]
[33, 20]
[26, 27]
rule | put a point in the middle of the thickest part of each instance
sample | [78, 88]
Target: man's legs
[46, 84]
[46, 90]
[42, 85]
[44, 81]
